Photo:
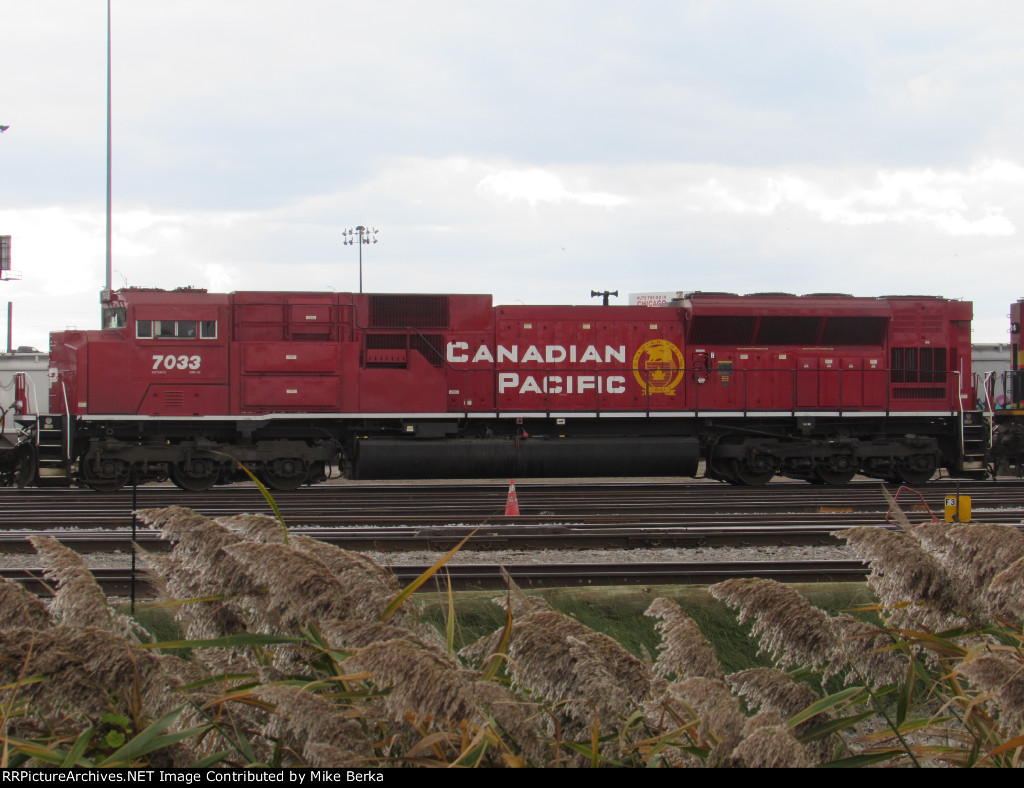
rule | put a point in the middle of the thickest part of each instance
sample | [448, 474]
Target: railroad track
[392, 517]
[650, 503]
[117, 582]
[434, 517]
[398, 538]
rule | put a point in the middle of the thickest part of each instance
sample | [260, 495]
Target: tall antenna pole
[109, 258]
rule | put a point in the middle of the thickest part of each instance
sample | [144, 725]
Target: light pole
[360, 235]
[110, 263]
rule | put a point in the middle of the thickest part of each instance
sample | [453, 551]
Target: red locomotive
[182, 384]
[1004, 400]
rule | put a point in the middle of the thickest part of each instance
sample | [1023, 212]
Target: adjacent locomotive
[1003, 397]
[185, 384]
[23, 388]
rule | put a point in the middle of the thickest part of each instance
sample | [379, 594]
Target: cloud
[533, 150]
[954, 201]
[536, 186]
[543, 235]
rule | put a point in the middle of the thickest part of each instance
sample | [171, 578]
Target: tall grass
[296, 653]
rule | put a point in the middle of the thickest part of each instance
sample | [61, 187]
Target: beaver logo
[658, 367]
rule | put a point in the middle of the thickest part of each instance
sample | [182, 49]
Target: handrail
[960, 399]
[985, 385]
[991, 406]
[32, 387]
[67, 422]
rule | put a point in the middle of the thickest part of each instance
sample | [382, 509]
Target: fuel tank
[464, 458]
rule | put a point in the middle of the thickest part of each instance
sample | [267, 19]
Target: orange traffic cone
[512, 504]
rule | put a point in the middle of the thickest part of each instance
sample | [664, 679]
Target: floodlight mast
[360, 235]
[110, 264]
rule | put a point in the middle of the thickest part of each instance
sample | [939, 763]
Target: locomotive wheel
[745, 476]
[284, 475]
[201, 477]
[112, 475]
[25, 468]
[720, 469]
[835, 478]
[915, 470]
[836, 470]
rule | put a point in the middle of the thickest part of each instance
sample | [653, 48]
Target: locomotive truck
[187, 385]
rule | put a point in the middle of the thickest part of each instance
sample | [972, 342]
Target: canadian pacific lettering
[459, 353]
[560, 384]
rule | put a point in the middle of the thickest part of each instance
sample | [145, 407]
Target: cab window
[176, 329]
[115, 317]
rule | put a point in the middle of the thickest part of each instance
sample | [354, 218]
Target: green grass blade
[240, 741]
[410, 589]
[1006, 746]
[270, 500]
[71, 759]
[22, 682]
[263, 489]
[211, 760]
[824, 704]
[868, 759]
[495, 660]
[450, 628]
[158, 743]
[937, 643]
[144, 741]
[475, 752]
[33, 750]
[834, 726]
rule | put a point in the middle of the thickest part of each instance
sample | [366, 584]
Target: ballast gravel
[117, 560]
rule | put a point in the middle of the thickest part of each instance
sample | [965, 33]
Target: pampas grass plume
[683, 651]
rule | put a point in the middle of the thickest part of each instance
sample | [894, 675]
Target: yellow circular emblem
[658, 367]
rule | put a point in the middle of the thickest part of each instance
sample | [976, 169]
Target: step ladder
[53, 451]
[975, 438]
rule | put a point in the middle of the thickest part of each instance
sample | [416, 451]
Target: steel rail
[116, 582]
[399, 538]
[432, 505]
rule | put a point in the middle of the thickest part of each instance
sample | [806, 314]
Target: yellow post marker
[958, 508]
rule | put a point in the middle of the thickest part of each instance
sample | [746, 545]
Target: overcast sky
[533, 150]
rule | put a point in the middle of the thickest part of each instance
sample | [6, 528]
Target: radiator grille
[918, 365]
[721, 330]
[401, 311]
[855, 331]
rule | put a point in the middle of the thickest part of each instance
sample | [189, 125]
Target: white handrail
[67, 422]
[988, 395]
